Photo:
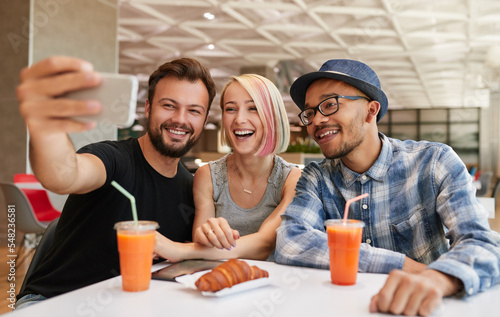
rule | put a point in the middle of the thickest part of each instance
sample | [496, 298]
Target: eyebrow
[177, 103]
[246, 101]
[168, 99]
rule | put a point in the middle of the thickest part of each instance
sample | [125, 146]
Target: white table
[293, 291]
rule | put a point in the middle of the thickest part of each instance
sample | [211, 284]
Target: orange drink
[136, 245]
[344, 240]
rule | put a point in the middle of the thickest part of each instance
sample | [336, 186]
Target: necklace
[245, 190]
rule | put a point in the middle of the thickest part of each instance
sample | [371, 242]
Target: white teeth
[177, 132]
[243, 132]
[327, 133]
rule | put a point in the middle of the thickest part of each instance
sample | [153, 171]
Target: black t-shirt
[84, 250]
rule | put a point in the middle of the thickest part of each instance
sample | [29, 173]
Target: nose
[241, 116]
[180, 115]
[319, 118]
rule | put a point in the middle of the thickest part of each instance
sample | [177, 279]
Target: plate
[190, 279]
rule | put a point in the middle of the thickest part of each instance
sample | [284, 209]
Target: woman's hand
[217, 233]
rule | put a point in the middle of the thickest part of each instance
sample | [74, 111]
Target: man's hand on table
[168, 249]
[412, 266]
[413, 294]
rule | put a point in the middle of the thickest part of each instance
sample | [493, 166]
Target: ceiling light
[209, 16]
[211, 46]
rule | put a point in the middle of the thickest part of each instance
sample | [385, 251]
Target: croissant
[228, 274]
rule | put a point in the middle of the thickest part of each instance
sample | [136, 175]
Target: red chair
[25, 178]
[38, 198]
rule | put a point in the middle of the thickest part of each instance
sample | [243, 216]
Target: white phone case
[118, 96]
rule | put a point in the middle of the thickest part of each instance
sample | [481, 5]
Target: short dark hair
[184, 69]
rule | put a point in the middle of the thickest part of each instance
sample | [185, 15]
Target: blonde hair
[270, 108]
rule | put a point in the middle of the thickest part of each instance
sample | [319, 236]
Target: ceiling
[439, 53]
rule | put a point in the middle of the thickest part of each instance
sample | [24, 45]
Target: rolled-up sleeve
[474, 255]
[378, 260]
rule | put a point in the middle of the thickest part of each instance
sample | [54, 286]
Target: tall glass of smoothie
[344, 241]
[136, 243]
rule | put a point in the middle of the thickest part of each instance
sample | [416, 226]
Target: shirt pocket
[412, 237]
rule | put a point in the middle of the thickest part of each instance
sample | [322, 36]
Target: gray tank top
[247, 221]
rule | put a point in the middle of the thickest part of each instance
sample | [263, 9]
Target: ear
[373, 109]
[147, 108]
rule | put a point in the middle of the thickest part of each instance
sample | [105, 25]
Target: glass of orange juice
[136, 242]
[344, 241]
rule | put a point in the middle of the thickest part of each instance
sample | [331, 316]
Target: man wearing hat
[423, 223]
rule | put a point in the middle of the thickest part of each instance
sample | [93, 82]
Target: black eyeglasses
[327, 107]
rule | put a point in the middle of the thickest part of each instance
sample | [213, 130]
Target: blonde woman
[239, 198]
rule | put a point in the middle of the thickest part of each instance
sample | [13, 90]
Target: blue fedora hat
[354, 73]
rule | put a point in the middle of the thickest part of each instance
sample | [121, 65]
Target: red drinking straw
[346, 211]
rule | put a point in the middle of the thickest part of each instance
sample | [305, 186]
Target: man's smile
[323, 133]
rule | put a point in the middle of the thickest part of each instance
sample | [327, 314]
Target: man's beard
[345, 149]
[357, 132]
[156, 137]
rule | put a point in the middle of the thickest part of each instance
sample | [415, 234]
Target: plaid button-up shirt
[421, 204]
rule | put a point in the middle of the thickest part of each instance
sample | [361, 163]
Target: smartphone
[118, 96]
[169, 273]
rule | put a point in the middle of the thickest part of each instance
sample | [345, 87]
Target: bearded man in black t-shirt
[84, 250]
